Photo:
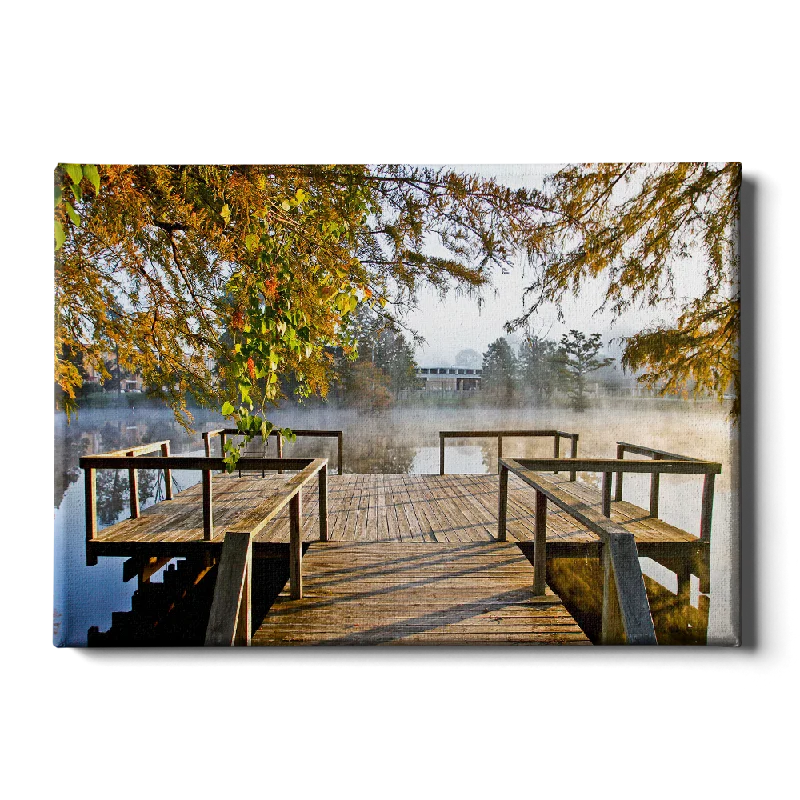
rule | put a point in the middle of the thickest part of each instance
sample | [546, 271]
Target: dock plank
[414, 593]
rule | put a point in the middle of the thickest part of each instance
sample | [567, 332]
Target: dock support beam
[502, 504]
[90, 499]
[133, 481]
[296, 547]
[607, 494]
[540, 545]
[208, 506]
[323, 504]
[167, 473]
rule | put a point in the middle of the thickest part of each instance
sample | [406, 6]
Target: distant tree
[499, 370]
[468, 358]
[577, 357]
[538, 367]
[376, 342]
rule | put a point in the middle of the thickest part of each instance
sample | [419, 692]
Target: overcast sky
[457, 323]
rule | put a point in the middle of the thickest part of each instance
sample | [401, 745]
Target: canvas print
[396, 404]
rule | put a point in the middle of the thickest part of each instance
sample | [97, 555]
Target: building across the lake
[450, 378]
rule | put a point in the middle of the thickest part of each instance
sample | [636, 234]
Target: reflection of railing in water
[223, 433]
[626, 611]
[557, 436]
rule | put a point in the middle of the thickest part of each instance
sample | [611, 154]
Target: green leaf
[74, 171]
[73, 215]
[91, 173]
[226, 213]
[251, 242]
[60, 235]
[285, 205]
[76, 190]
[58, 196]
[227, 409]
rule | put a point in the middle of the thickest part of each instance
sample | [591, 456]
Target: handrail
[500, 434]
[655, 482]
[223, 433]
[229, 622]
[626, 616]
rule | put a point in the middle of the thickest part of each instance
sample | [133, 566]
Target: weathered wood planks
[412, 593]
[390, 508]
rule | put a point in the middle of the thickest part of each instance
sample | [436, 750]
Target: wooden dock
[408, 559]
[412, 593]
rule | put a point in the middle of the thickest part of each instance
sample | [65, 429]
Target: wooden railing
[229, 621]
[266, 511]
[659, 455]
[626, 614]
[557, 436]
[223, 434]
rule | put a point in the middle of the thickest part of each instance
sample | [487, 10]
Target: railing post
[167, 473]
[540, 546]
[573, 453]
[607, 494]
[244, 623]
[207, 444]
[90, 495]
[502, 504]
[296, 546]
[556, 449]
[280, 449]
[612, 630]
[133, 481]
[707, 507]
[323, 504]
[208, 507]
[499, 450]
[618, 492]
[655, 480]
[222, 451]
[339, 452]
[441, 454]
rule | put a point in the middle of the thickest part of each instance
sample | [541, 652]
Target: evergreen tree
[577, 357]
[538, 368]
[499, 370]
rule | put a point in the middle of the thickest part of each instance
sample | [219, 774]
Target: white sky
[457, 323]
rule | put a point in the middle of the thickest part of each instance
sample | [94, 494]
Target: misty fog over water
[402, 440]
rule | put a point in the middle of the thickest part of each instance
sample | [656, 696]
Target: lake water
[405, 440]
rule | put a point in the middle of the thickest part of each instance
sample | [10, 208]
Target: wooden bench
[626, 614]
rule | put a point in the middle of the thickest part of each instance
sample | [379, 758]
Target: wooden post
[441, 454]
[207, 444]
[167, 473]
[90, 489]
[540, 546]
[607, 494]
[655, 479]
[222, 451]
[683, 571]
[502, 504]
[280, 449]
[133, 481]
[499, 451]
[556, 450]
[208, 507]
[573, 453]
[244, 631]
[707, 507]
[612, 630]
[618, 491]
[323, 504]
[296, 547]
[339, 452]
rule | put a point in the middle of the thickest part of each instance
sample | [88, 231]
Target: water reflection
[679, 618]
